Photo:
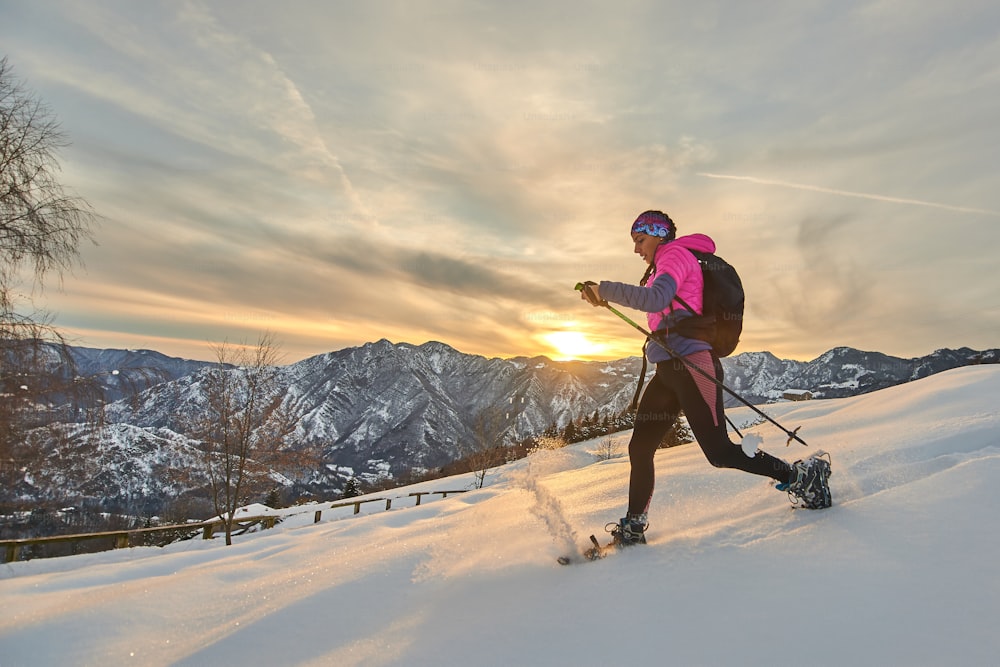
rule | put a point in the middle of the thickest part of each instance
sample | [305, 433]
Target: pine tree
[679, 433]
[352, 488]
[273, 499]
[571, 433]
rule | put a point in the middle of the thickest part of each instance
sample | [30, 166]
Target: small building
[797, 395]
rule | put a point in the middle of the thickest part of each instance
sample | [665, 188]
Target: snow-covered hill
[901, 571]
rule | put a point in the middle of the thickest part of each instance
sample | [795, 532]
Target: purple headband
[655, 223]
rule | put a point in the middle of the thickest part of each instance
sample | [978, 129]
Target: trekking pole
[792, 435]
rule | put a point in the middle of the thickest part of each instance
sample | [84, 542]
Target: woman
[673, 276]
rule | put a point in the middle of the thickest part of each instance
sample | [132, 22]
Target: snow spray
[547, 508]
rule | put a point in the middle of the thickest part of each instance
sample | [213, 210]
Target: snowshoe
[629, 530]
[808, 485]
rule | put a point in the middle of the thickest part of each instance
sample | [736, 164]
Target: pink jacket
[677, 273]
[672, 259]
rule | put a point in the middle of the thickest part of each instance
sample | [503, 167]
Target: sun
[571, 345]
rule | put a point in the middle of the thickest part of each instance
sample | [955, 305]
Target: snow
[750, 443]
[902, 570]
[251, 510]
[855, 382]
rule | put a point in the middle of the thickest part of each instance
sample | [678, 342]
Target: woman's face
[645, 246]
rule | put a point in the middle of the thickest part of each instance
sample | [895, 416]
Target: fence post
[12, 549]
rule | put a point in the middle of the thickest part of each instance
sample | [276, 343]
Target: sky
[340, 172]
[901, 570]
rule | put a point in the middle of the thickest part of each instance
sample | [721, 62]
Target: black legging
[673, 389]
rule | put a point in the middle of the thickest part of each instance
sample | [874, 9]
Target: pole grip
[591, 297]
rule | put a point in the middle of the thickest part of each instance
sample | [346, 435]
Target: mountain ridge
[384, 409]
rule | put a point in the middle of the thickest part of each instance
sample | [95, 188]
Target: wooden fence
[388, 502]
[65, 545]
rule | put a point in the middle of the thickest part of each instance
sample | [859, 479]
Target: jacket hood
[699, 242]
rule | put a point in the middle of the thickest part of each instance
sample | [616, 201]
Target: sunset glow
[572, 345]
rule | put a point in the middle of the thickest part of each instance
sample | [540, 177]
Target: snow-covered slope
[901, 571]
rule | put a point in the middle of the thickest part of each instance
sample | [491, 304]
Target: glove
[590, 292]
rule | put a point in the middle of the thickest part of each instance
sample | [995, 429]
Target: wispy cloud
[848, 193]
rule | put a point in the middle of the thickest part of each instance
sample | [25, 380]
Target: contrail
[848, 193]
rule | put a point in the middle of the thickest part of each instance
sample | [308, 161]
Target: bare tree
[41, 228]
[243, 427]
[41, 224]
[487, 448]
[607, 449]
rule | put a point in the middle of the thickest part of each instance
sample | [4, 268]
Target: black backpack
[721, 321]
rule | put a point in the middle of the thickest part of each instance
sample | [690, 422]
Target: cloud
[448, 171]
[213, 90]
[846, 193]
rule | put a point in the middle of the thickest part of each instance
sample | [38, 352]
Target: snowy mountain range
[843, 371]
[383, 409]
[122, 373]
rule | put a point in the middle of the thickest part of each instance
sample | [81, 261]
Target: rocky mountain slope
[843, 371]
[382, 409]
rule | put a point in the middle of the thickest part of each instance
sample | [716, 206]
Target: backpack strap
[687, 307]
